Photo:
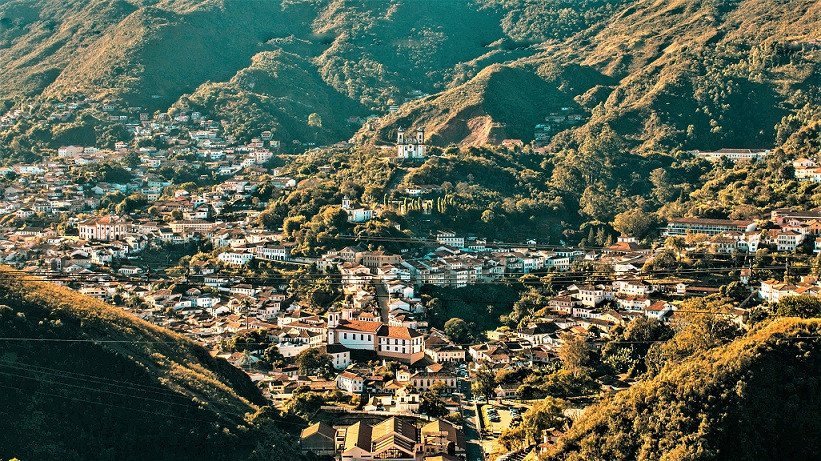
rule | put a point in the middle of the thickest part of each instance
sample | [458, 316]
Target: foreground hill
[756, 398]
[83, 380]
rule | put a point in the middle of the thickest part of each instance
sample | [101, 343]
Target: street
[382, 298]
[472, 436]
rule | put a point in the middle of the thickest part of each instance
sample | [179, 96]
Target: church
[410, 147]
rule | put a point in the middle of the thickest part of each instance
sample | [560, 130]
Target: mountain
[685, 73]
[85, 380]
[681, 74]
[283, 60]
[758, 397]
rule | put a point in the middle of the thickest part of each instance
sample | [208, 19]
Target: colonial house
[539, 333]
[340, 356]
[425, 380]
[318, 438]
[442, 438]
[356, 215]
[392, 439]
[398, 343]
[350, 382]
[445, 353]
[271, 252]
[105, 228]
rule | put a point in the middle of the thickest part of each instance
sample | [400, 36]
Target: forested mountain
[756, 398]
[84, 380]
[686, 73]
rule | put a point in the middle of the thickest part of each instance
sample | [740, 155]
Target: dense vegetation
[88, 381]
[755, 398]
[686, 73]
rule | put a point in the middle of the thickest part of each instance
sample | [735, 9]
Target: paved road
[472, 436]
[474, 440]
[382, 299]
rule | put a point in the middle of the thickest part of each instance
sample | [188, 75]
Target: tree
[292, 224]
[635, 223]
[315, 120]
[735, 291]
[314, 362]
[484, 383]
[543, 415]
[663, 190]
[707, 323]
[305, 402]
[458, 330]
[574, 352]
[273, 356]
[798, 306]
[628, 348]
[431, 403]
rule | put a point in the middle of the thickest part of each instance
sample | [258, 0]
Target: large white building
[410, 147]
[734, 155]
[271, 252]
[105, 228]
[399, 343]
[235, 258]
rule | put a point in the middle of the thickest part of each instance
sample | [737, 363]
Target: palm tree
[245, 307]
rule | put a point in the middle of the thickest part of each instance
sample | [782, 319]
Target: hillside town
[184, 248]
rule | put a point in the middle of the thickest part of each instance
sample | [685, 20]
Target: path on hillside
[397, 177]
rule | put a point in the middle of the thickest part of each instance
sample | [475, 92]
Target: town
[351, 338]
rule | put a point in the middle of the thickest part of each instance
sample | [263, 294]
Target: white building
[399, 343]
[340, 356]
[271, 252]
[410, 148]
[734, 155]
[233, 258]
[350, 382]
[106, 228]
[450, 238]
[356, 215]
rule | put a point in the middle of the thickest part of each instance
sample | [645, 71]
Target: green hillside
[83, 380]
[688, 74]
[664, 75]
[756, 398]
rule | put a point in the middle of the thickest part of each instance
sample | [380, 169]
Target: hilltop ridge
[664, 74]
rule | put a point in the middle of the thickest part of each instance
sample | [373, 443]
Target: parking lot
[495, 422]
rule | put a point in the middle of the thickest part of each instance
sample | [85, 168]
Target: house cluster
[785, 231]
[393, 439]
[774, 290]
[555, 122]
[458, 261]
[806, 170]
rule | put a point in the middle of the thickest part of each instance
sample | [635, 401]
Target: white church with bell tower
[410, 147]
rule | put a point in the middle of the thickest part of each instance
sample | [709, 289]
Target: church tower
[333, 318]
